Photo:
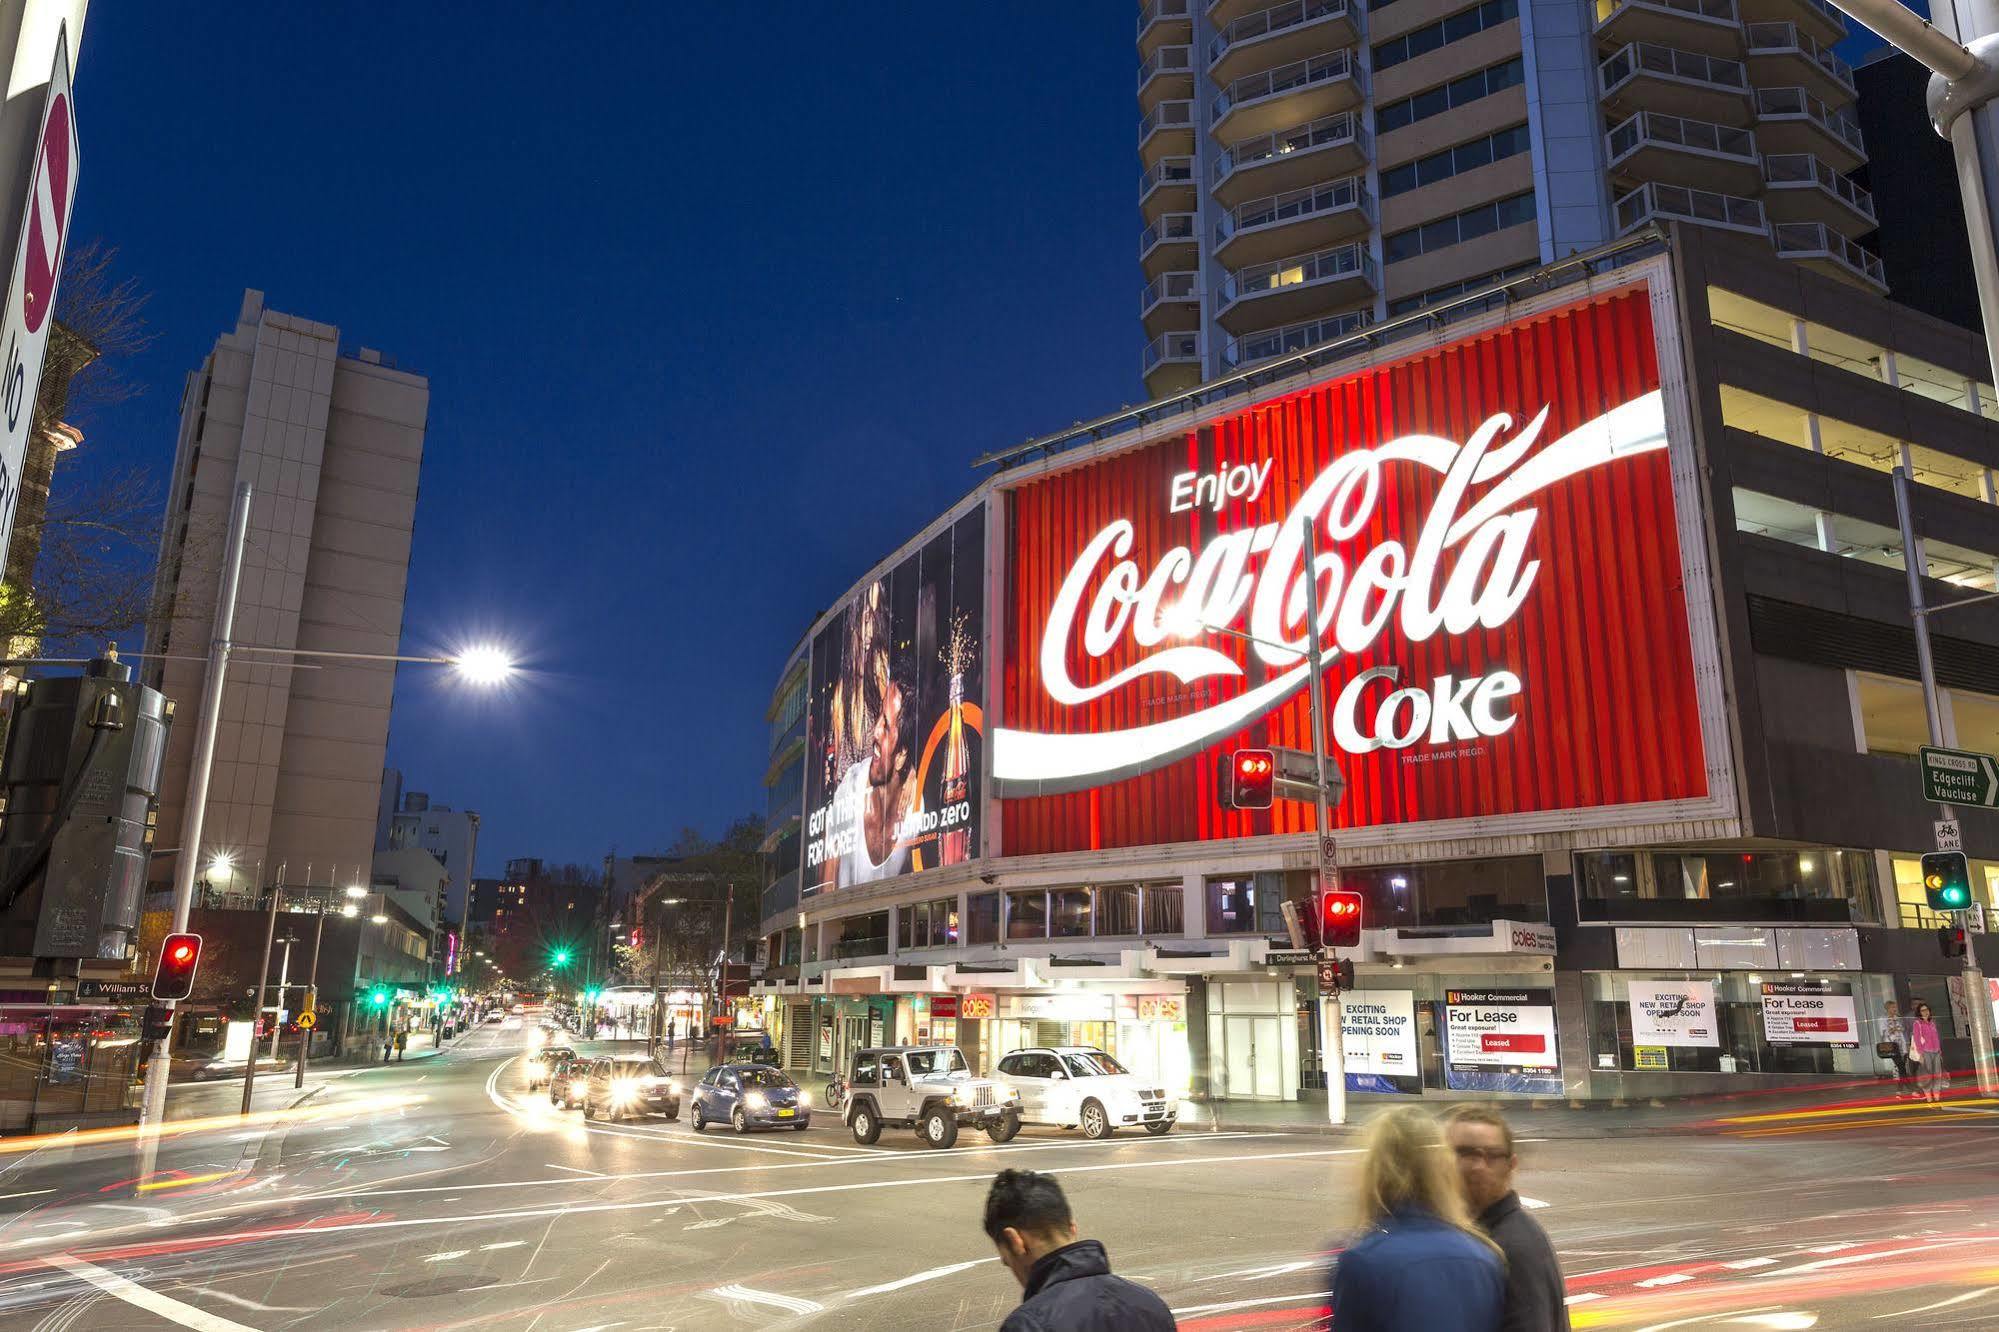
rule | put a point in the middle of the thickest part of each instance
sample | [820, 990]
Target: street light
[356, 890]
[479, 665]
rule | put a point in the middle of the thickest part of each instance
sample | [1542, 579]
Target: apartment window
[1070, 916]
[1027, 915]
[1813, 886]
[1468, 225]
[1465, 23]
[1482, 151]
[1452, 892]
[1449, 96]
[982, 918]
[1164, 911]
[1117, 909]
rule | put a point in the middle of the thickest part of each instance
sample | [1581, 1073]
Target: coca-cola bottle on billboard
[955, 846]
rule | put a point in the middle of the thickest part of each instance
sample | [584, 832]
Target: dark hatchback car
[567, 1080]
[622, 1085]
[750, 1096]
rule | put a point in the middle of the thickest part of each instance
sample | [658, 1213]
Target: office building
[1312, 167]
[411, 820]
[332, 444]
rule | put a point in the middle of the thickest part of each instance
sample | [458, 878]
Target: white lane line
[934, 1274]
[1742, 1264]
[1250, 1304]
[1968, 1296]
[668, 1204]
[1583, 1298]
[593, 1174]
[1670, 1279]
[1532, 1204]
[140, 1298]
[447, 1255]
[1825, 1263]
[503, 1244]
[789, 1303]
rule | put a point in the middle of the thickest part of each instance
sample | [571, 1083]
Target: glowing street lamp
[485, 664]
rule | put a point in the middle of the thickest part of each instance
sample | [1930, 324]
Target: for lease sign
[1809, 1012]
[1501, 1029]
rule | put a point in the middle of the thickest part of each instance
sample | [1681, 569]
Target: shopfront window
[1452, 892]
[1117, 909]
[982, 923]
[1164, 910]
[1813, 886]
[1071, 914]
[1737, 1022]
[1027, 915]
[927, 924]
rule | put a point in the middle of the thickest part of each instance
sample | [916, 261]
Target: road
[440, 1195]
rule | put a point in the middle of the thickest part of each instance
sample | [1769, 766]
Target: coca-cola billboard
[1503, 602]
[894, 717]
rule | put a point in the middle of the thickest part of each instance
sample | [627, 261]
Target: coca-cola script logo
[1469, 568]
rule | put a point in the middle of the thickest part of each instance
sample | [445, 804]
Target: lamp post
[483, 665]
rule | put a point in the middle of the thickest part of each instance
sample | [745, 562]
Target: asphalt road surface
[441, 1195]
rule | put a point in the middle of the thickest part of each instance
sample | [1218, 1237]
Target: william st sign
[1957, 777]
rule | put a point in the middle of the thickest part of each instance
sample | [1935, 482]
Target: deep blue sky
[717, 304]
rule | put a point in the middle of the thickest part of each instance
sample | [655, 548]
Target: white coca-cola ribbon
[1490, 536]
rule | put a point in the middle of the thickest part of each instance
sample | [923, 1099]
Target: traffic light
[1339, 918]
[180, 954]
[1951, 939]
[378, 998]
[1343, 973]
[1252, 778]
[1947, 880]
[560, 957]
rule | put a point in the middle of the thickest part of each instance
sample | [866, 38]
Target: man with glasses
[1535, 1293]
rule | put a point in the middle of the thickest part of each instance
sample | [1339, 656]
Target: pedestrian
[1419, 1263]
[1066, 1283]
[1893, 1046]
[402, 1043]
[1482, 1141]
[1926, 1053]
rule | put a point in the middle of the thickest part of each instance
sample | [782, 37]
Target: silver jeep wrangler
[929, 1088]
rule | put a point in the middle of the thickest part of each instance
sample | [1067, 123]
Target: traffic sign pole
[1976, 997]
[1332, 1016]
[311, 1004]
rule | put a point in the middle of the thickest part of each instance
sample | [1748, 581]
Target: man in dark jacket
[1066, 1283]
[1536, 1297]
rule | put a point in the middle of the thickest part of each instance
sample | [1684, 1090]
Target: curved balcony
[1168, 301]
[1167, 130]
[1279, 35]
[1296, 288]
[1314, 218]
[1653, 202]
[1695, 153]
[1288, 95]
[1165, 75]
[1792, 120]
[1709, 27]
[1820, 18]
[1163, 23]
[1289, 158]
[1167, 186]
[1677, 83]
[1819, 247]
[1171, 362]
[1800, 188]
[1266, 344]
[1783, 53]
[1168, 244]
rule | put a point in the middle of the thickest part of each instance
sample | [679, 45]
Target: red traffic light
[1252, 778]
[1339, 919]
[180, 954]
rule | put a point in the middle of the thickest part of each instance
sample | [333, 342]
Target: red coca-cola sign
[1503, 616]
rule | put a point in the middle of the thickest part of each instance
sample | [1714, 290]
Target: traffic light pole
[1977, 1002]
[311, 1004]
[1333, 1014]
[263, 979]
[153, 1102]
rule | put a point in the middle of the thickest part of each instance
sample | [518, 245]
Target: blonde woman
[1418, 1264]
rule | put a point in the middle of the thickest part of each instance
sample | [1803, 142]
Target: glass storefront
[1736, 1022]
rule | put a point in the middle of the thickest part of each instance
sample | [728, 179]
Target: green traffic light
[561, 957]
[379, 998]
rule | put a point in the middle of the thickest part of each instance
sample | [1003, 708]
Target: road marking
[503, 1244]
[140, 1298]
[1670, 1279]
[594, 1174]
[1941, 1304]
[789, 1303]
[1583, 1298]
[1250, 1304]
[934, 1274]
[447, 1255]
[1741, 1264]
[1532, 1204]
[1824, 1263]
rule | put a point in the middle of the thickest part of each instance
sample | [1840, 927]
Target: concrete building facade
[332, 444]
[1312, 167]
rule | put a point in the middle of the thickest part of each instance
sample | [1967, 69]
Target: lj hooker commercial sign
[1504, 615]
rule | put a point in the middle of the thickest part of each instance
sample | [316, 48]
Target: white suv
[1073, 1085]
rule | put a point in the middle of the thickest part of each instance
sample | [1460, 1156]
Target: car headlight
[624, 1089]
[673, 1089]
[576, 1086]
[804, 1101]
[755, 1101]
[963, 1094]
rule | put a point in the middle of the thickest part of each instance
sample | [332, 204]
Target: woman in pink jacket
[1926, 1053]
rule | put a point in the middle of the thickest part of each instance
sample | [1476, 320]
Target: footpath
[221, 1092]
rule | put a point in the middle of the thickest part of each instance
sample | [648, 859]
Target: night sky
[717, 304]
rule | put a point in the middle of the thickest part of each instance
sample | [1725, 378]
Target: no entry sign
[31, 291]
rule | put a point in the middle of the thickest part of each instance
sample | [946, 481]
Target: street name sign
[1959, 777]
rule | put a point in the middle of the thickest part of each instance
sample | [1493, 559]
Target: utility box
[80, 782]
